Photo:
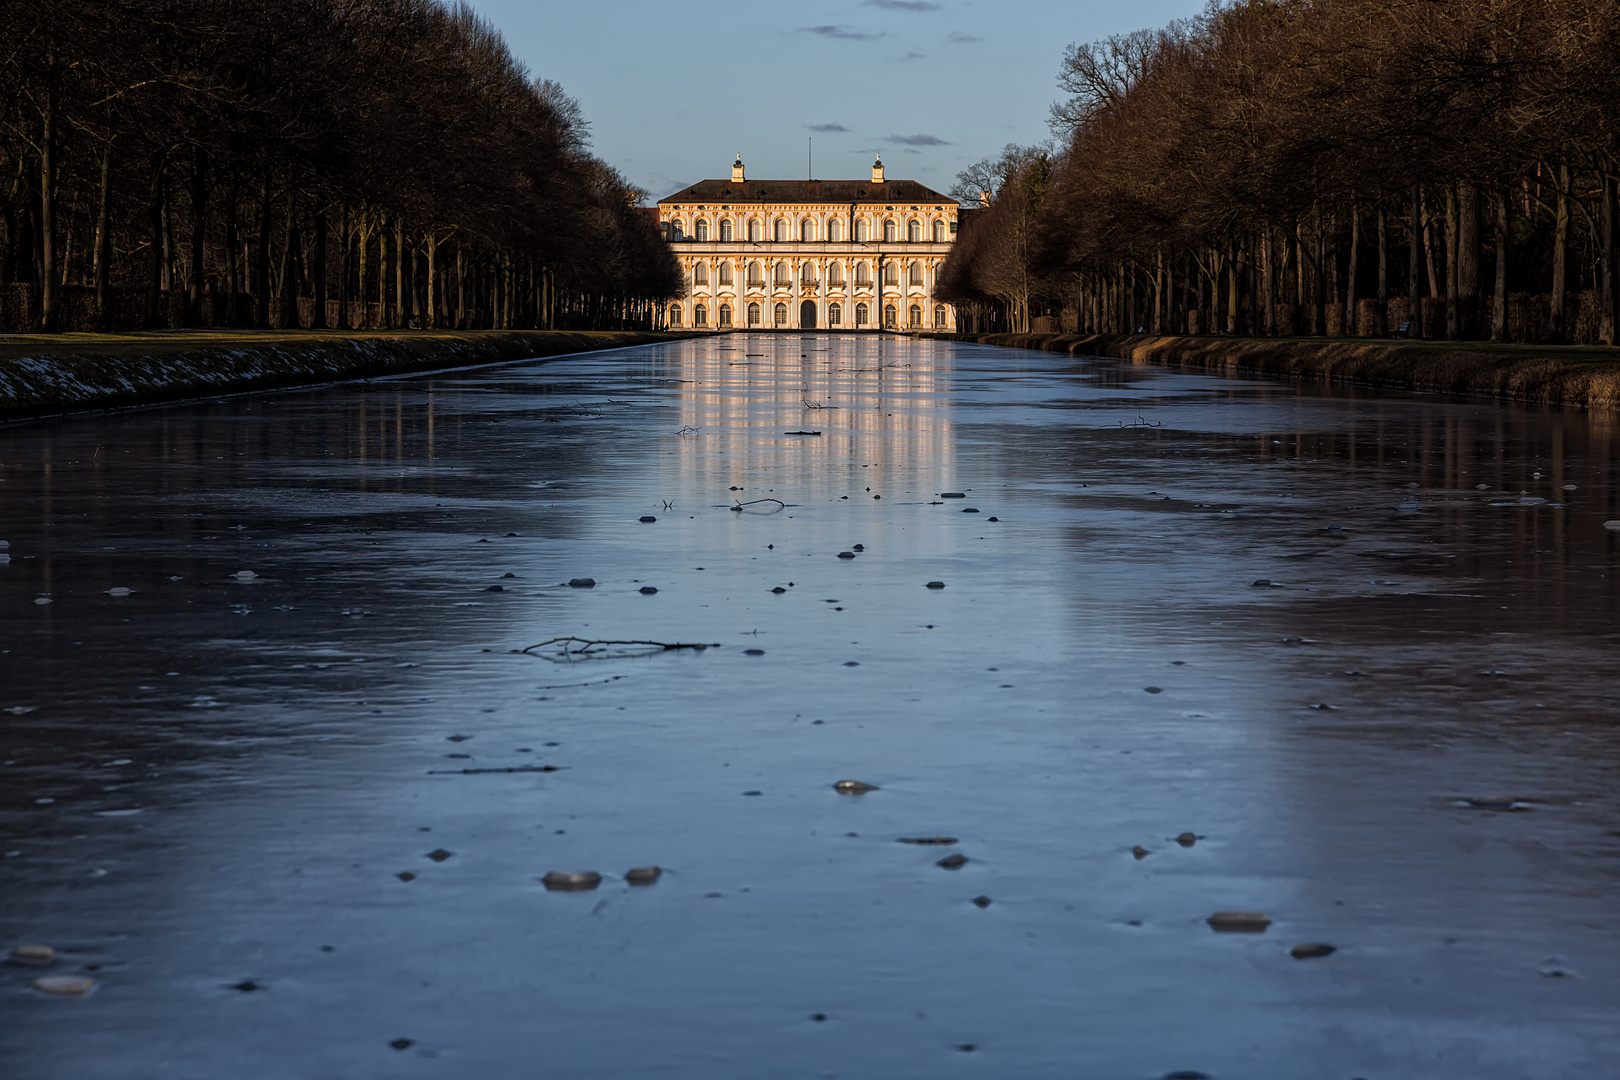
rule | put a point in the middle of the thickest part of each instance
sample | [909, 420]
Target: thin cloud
[841, 32]
[827, 129]
[901, 5]
[918, 140]
[960, 38]
[915, 56]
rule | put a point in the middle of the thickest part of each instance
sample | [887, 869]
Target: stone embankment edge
[1512, 374]
[57, 383]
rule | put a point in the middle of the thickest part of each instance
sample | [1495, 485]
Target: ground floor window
[700, 316]
[674, 314]
[753, 314]
[939, 316]
[889, 317]
[781, 314]
[916, 317]
[835, 314]
[725, 314]
[862, 314]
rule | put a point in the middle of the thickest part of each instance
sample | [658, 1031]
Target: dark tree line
[302, 162]
[1337, 167]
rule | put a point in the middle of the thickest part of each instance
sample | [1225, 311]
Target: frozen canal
[290, 800]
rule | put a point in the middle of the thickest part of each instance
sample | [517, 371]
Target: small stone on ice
[779, 590]
[940, 840]
[936, 585]
[753, 652]
[558, 881]
[1311, 951]
[244, 575]
[1152, 689]
[402, 1044]
[644, 875]
[952, 495]
[648, 590]
[496, 588]
[981, 901]
[119, 591]
[853, 787]
[33, 954]
[1139, 851]
[1240, 922]
[970, 509]
[407, 876]
[1262, 583]
[860, 547]
[582, 583]
[1607, 525]
[439, 854]
[42, 600]
[65, 985]
[846, 554]
[952, 862]
[648, 519]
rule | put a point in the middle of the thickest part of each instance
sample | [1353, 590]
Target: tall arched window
[725, 315]
[674, 314]
[753, 314]
[891, 273]
[835, 273]
[862, 313]
[700, 316]
[863, 232]
[835, 230]
[913, 231]
[939, 316]
[755, 274]
[916, 273]
[781, 314]
[939, 232]
[835, 314]
[725, 273]
[781, 229]
[677, 231]
[807, 230]
[701, 231]
[782, 274]
[807, 274]
[863, 273]
[888, 317]
[889, 234]
[916, 317]
[700, 274]
[753, 231]
[725, 230]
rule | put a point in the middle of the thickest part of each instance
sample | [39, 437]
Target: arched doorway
[807, 315]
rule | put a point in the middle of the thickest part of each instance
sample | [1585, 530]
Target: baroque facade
[810, 254]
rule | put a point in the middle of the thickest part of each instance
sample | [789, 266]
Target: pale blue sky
[674, 90]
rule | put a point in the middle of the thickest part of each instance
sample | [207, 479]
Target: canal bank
[42, 375]
[1588, 377]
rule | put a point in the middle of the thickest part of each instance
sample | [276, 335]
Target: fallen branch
[780, 505]
[588, 644]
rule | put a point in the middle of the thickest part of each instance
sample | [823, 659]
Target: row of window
[835, 316]
[780, 231]
[781, 274]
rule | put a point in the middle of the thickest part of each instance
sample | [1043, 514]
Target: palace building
[810, 254]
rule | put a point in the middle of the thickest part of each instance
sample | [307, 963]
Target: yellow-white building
[810, 254]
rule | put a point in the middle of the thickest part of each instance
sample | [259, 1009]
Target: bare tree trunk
[155, 315]
[233, 278]
[1499, 298]
[103, 270]
[1451, 238]
[261, 259]
[461, 286]
[1468, 260]
[1352, 325]
[344, 239]
[1606, 263]
[432, 245]
[286, 283]
[1267, 274]
[362, 246]
[401, 312]
[317, 275]
[1231, 290]
[1428, 247]
[1381, 323]
[1414, 281]
[48, 315]
[1558, 328]
[199, 236]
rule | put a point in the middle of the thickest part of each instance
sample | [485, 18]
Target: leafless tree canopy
[287, 162]
[1333, 167]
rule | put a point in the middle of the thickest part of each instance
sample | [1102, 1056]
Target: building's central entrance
[807, 315]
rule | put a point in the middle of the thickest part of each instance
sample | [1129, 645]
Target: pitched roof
[808, 191]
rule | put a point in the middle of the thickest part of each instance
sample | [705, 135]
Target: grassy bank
[45, 374]
[1556, 375]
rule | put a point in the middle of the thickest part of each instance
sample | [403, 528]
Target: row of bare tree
[1339, 167]
[300, 162]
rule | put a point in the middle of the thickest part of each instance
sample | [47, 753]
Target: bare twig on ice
[780, 505]
[578, 646]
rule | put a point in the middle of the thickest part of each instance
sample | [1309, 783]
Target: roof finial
[877, 169]
[737, 169]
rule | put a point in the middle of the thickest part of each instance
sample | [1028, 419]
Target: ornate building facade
[810, 254]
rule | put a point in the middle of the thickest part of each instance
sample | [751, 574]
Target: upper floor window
[701, 231]
[863, 232]
[916, 273]
[782, 274]
[939, 232]
[725, 230]
[891, 273]
[725, 273]
[913, 231]
[781, 229]
[889, 233]
[753, 231]
[700, 273]
[755, 276]
[835, 274]
[835, 230]
[807, 274]
[807, 230]
[677, 231]
[863, 274]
